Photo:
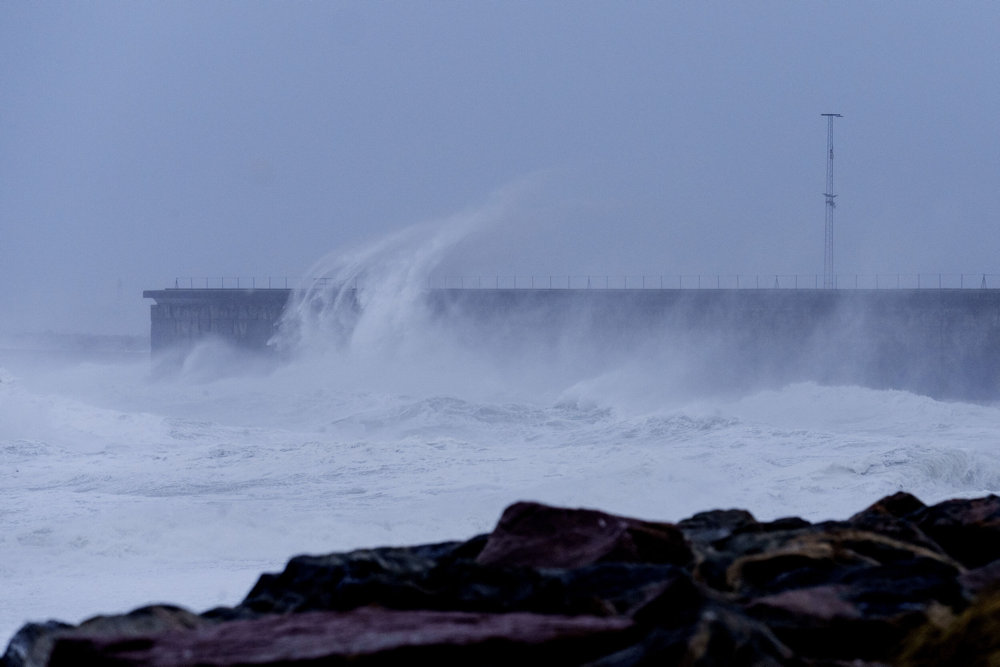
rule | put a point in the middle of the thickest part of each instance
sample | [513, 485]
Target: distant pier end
[242, 317]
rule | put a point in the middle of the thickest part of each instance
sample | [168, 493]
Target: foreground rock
[898, 583]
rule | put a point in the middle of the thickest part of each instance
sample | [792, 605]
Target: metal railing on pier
[879, 281]
[723, 281]
[240, 282]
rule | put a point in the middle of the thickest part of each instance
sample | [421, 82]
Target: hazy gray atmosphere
[395, 143]
[140, 142]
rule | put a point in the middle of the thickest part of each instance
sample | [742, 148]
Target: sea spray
[371, 299]
[369, 321]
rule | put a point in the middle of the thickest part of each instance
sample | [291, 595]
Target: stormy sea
[130, 480]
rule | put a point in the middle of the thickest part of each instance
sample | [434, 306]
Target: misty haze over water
[383, 421]
[417, 141]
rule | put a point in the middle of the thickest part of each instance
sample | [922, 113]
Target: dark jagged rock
[404, 579]
[981, 579]
[706, 527]
[716, 635]
[900, 504]
[890, 517]
[897, 583]
[32, 645]
[968, 530]
[865, 614]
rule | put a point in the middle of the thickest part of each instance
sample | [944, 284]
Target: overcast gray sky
[141, 141]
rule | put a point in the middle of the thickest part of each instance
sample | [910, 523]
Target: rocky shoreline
[899, 583]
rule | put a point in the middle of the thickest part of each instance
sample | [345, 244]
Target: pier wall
[941, 342]
[246, 318]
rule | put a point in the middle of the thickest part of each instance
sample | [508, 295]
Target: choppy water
[121, 488]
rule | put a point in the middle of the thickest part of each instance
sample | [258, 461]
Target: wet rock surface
[898, 583]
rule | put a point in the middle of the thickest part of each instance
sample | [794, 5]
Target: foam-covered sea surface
[124, 487]
[129, 480]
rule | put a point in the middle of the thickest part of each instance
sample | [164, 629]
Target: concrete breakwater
[180, 318]
[941, 342]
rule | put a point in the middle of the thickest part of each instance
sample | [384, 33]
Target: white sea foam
[124, 487]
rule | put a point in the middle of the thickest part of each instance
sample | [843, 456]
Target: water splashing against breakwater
[370, 300]
[368, 321]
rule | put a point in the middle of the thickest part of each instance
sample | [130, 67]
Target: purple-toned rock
[534, 535]
[367, 636]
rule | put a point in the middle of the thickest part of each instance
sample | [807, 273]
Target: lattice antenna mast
[829, 277]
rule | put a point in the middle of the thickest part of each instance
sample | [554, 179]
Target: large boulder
[534, 535]
[368, 636]
[968, 530]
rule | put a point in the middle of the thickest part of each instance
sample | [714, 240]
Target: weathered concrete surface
[243, 317]
[940, 342]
